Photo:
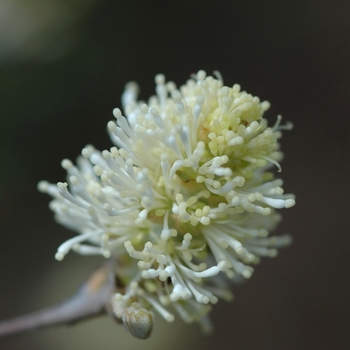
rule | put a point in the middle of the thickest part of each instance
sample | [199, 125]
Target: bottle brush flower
[183, 202]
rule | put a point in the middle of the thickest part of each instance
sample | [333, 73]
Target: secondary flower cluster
[184, 201]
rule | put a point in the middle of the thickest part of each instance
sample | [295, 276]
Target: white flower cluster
[184, 201]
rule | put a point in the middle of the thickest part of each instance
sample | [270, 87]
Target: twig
[92, 299]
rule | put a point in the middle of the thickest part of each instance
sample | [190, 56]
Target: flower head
[184, 201]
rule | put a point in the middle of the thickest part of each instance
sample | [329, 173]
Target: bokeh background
[63, 66]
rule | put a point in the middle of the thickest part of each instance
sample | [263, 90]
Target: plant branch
[92, 299]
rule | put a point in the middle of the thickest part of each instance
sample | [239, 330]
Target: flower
[184, 201]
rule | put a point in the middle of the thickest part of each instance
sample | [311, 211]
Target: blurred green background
[63, 66]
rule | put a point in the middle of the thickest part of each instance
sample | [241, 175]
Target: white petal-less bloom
[184, 201]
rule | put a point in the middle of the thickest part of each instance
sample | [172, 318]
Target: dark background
[58, 88]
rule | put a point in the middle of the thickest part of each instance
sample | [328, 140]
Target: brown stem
[92, 299]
